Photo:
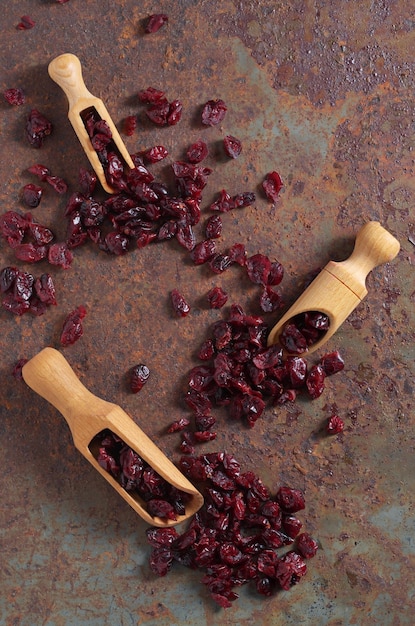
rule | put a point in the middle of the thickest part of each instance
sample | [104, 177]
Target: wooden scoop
[50, 375]
[66, 71]
[340, 287]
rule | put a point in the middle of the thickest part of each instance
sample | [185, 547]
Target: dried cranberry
[130, 125]
[289, 570]
[335, 425]
[220, 263]
[7, 277]
[58, 184]
[270, 300]
[306, 546]
[179, 304]
[139, 376]
[332, 363]
[178, 425]
[175, 112]
[213, 227]
[258, 268]
[232, 146]
[26, 23]
[41, 171]
[13, 227]
[203, 252]
[37, 128]
[45, 289]
[32, 195]
[72, 327]
[315, 381]
[272, 185]
[217, 297]
[155, 22]
[290, 500]
[213, 112]
[150, 95]
[59, 254]
[197, 152]
[14, 96]
[154, 154]
[292, 340]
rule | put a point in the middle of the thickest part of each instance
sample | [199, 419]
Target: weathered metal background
[324, 93]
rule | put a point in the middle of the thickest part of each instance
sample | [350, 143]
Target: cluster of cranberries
[137, 477]
[22, 292]
[234, 538]
[242, 373]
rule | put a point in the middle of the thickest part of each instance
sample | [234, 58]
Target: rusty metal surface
[322, 92]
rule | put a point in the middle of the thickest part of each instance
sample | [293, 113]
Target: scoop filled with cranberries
[113, 443]
[334, 293]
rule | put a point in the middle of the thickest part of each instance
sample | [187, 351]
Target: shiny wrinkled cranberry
[138, 377]
[270, 300]
[37, 128]
[237, 253]
[290, 500]
[315, 381]
[179, 304]
[13, 226]
[335, 425]
[41, 171]
[258, 268]
[72, 327]
[7, 277]
[59, 254]
[292, 340]
[154, 154]
[289, 570]
[178, 425]
[197, 152]
[57, 183]
[213, 112]
[272, 185]
[30, 252]
[155, 22]
[14, 96]
[220, 263]
[332, 363]
[306, 546]
[150, 95]
[232, 146]
[203, 252]
[26, 23]
[45, 289]
[217, 297]
[213, 227]
[32, 195]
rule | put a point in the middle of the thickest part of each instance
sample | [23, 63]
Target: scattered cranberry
[197, 152]
[59, 254]
[217, 298]
[155, 22]
[58, 184]
[315, 381]
[32, 195]
[178, 425]
[26, 23]
[234, 538]
[154, 154]
[139, 376]
[37, 128]
[150, 95]
[14, 96]
[306, 546]
[179, 304]
[232, 146]
[41, 171]
[272, 185]
[72, 327]
[332, 363]
[335, 425]
[213, 227]
[213, 112]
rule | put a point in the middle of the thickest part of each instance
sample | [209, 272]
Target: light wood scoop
[66, 71]
[340, 287]
[50, 375]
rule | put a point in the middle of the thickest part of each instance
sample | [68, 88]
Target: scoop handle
[374, 246]
[50, 375]
[66, 71]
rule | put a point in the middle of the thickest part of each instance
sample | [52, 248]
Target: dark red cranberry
[130, 125]
[276, 273]
[37, 128]
[13, 227]
[306, 546]
[59, 254]
[224, 203]
[335, 425]
[232, 146]
[197, 152]
[7, 277]
[26, 23]
[155, 22]
[14, 96]
[154, 154]
[237, 253]
[138, 377]
[41, 171]
[289, 570]
[332, 363]
[30, 252]
[315, 381]
[175, 112]
[72, 327]
[179, 304]
[292, 340]
[58, 184]
[220, 263]
[217, 297]
[150, 95]
[203, 252]
[270, 300]
[272, 185]
[290, 500]
[181, 424]
[258, 268]
[213, 227]
[45, 289]
[213, 112]
[32, 195]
